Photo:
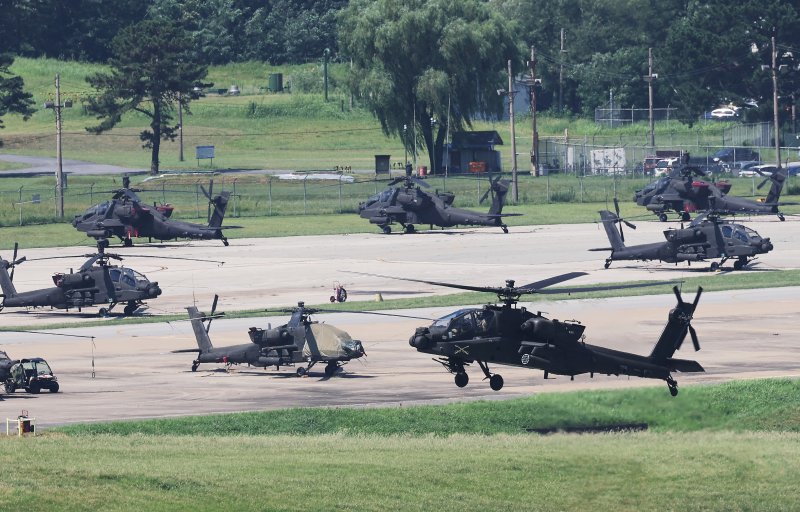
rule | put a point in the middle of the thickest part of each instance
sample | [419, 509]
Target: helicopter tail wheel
[781, 217]
[673, 386]
[225, 242]
[496, 382]
[462, 379]
[195, 364]
[608, 262]
[504, 228]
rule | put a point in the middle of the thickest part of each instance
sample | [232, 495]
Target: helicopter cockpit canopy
[98, 209]
[466, 322]
[382, 197]
[741, 233]
[126, 276]
[330, 341]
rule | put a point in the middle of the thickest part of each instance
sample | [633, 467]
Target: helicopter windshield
[752, 234]
[445, 320]
[125, 275]
[328, 340]
[98, 209]
[39, 367]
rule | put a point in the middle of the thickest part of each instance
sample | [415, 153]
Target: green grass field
[723, 447]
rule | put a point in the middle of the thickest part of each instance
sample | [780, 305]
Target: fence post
[234, 196]
[20, 204]
[340, 192]
[197, 199]
[269, 182]
[91, 193]
[580, 180]
[305, 178]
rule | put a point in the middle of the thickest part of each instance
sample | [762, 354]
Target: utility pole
[775, 105]
[561, 76]
[650, 77]
[57, 106]
[535, 134]
[514, 181]
[180, 129]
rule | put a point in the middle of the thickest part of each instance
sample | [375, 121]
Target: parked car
[664, 166]
[724, 113]
[735, 155]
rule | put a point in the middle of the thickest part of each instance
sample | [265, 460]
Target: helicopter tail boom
[5, 281]
[200, 333]
[219, 203]
[609, 221]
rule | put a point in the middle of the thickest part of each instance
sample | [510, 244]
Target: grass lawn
[733, 446]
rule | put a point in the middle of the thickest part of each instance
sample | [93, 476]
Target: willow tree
[153, 72]
[415, 60]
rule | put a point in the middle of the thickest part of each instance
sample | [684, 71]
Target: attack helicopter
[301, 341]
[708, 237]
[96, 282]
[508, 335]
[409, 204]
[682, 193]
[126, 216]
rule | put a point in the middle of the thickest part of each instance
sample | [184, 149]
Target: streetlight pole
[514, 181]
[433, 145]
[535, 134]
[650, 77]
[180, 128]
[57, 106]
[775, 105]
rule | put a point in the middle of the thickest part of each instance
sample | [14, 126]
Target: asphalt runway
[743, 334]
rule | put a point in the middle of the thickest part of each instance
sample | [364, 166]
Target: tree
[153, 72]
[415, 60]
[13, 97]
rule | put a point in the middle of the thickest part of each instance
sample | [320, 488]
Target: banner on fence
[608, 161]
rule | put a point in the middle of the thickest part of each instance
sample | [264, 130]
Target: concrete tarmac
[743, 334]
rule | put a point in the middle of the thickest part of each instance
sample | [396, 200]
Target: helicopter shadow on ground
[699, 269]
[314, 375]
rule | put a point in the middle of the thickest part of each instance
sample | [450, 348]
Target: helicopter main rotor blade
[600, 288]
[372, 313]
[550, 281]
[435, 283]
[118, 256]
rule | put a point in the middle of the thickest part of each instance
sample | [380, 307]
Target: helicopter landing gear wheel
[496, 382]
[462, 379]
[127, 242]
[386, 229]
[662, 217]
[301, 372]
[714, 266]
[685, 217]
[673, 386]
[130, 308]
[409, 229]
[195, 364]
[103, 312]
[739, 264]
[504, 228]
[331, 369]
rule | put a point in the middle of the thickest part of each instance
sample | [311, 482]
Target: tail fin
[201, 335]
[220, 203]
[777, 179]
[678, 326]
[5, 280]
[500, 188]
[609, 221]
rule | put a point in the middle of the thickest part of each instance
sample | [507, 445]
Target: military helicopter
[682, 193]
[506, 334]
[707, 237]
[126, 216]
[301, 341]
[410, 204]
[95, 282]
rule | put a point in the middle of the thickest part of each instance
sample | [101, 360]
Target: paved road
[46, 165]
[743, 333]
